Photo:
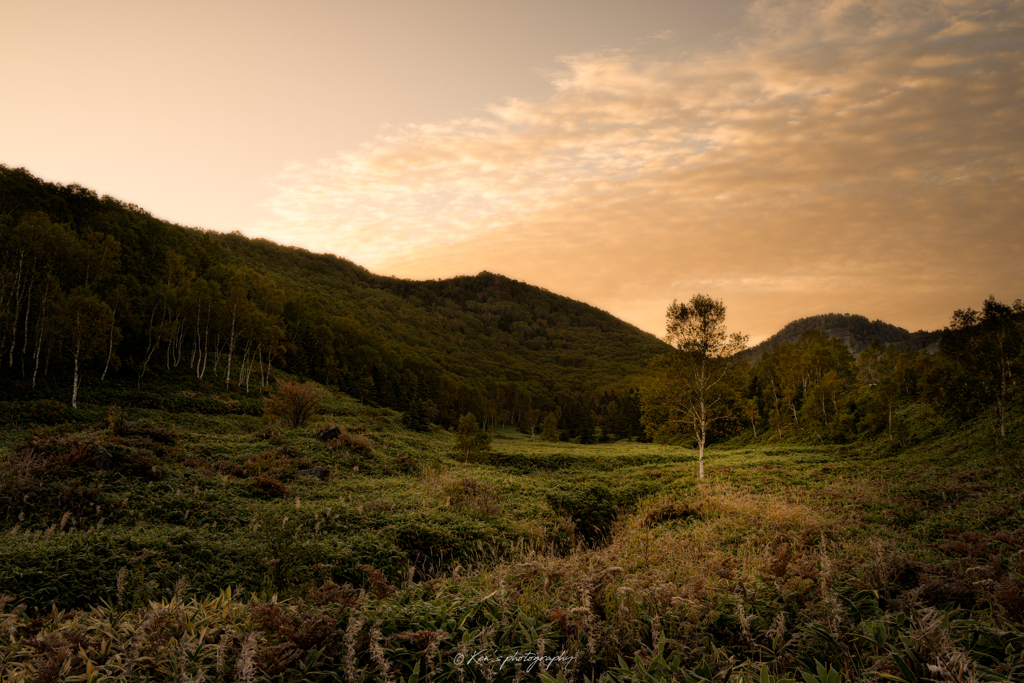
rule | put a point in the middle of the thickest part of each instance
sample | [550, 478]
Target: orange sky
[790, 157]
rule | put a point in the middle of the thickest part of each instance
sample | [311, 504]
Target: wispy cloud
[858, 155]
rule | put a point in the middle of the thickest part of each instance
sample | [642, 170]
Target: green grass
[863, 557]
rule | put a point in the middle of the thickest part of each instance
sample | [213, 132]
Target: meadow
[203, 553]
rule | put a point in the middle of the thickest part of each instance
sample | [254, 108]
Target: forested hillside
[814, 387]
[93, 290]
[855, 331]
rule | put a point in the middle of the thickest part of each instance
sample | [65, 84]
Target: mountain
[855, 331]
[162, 298]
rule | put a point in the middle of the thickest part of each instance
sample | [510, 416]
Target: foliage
[860, 534]
[294, 403]
[787, 557]
[47, 411]
[355, 441]
[475, 496]
[415, 417]
[471, 442]
[549, 429]
[97, 284]
[591, 508]
[691, 581]
[985, 350]
[697, 385]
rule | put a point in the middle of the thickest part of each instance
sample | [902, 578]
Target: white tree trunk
[231, 348]
[700, 458]
[78, 351]
[110, 348]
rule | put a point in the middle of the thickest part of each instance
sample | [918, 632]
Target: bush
[357, 444]
[294, 403]
[23, 474]
[117, 420]
[591, 508]
[282, 464]
[270, 488]
[47, 411]
[475, 497]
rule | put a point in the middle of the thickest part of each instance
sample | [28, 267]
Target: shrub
[590, 506]
[475, 497]
[294, 403]
[268, 434]
[23, 473]
[406, 464]
[667, 510]
[271, 488]
[47, 411]
[117, 420]
[281, 464]
[351, 443]
[157, 435]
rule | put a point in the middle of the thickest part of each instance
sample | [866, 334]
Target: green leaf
[908, 675]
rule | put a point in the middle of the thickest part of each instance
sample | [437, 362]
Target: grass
[205, 555]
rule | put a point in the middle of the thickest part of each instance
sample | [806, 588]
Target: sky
[790, 157]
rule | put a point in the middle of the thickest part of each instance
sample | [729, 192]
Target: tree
[752, 412]
[549, 428]
[888, 377]
[986, 348]
[804, 382]
[471, 441]
[695, 385]
[84, 319]
[415, 418]
[530, 419]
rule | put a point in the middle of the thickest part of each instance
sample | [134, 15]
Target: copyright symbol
[459, 658]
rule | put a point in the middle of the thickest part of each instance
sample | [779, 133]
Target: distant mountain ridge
[855, 331]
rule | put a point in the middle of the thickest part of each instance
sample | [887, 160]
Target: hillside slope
[485, 344]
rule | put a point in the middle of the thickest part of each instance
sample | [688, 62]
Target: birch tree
[84, 321]
[695, 385]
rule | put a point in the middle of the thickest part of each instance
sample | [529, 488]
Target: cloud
[851, 155]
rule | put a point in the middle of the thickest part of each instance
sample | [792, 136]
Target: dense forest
[94, 290]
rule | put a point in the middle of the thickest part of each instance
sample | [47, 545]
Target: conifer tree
[415, 418]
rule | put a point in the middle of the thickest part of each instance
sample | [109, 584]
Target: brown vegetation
[294, 403]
